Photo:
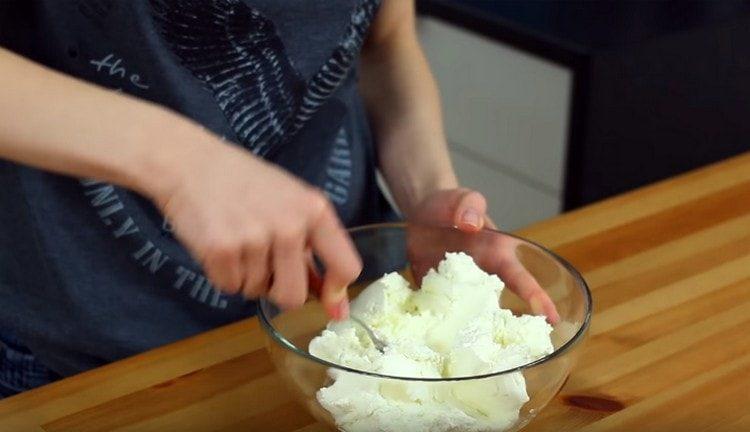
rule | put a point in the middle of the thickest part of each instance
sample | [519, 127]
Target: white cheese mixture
[452, 327]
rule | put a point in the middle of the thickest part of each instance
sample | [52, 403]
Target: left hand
[460, 207]
[466, 209]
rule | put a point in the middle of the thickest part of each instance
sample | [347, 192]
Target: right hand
[249, 223]
[241, 218]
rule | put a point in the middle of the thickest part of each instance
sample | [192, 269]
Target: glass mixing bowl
[411, 250]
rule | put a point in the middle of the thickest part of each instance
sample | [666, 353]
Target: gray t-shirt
[89, 272]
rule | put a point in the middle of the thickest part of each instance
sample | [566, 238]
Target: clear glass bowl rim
[580, 282]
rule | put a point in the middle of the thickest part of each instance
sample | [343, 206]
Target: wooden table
[669, 347]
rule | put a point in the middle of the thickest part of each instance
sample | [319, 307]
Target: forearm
[404, 107]
[54, 122]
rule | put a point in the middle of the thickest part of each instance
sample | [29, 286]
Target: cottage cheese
[453, 326]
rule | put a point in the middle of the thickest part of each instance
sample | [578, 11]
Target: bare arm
[51, 121]
[404, 106]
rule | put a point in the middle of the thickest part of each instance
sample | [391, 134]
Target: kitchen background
[553, 105]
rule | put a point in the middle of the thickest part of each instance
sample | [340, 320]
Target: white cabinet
[506, 115]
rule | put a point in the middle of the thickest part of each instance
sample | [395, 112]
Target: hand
[251, 225]
[466, 209]
[243, 219]
[460, 207]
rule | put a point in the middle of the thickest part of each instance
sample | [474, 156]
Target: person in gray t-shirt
[166, 162]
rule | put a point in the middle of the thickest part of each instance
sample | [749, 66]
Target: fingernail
[337, 303]
[339, 311]
[471, 217]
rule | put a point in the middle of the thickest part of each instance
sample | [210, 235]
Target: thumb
[470, 211]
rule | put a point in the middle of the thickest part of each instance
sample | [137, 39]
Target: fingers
[279, 252]
[289, 289]
[470, 211]
[521, 282]
[489, 223]
[257, 262]
[223, 267]
[332, 245]
[314, 281]
[460, 207]
[542, 304]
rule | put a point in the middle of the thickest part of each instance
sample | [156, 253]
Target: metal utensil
[316, 286]
[379, 344]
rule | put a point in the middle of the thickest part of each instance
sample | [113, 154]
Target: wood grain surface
[669, 347]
